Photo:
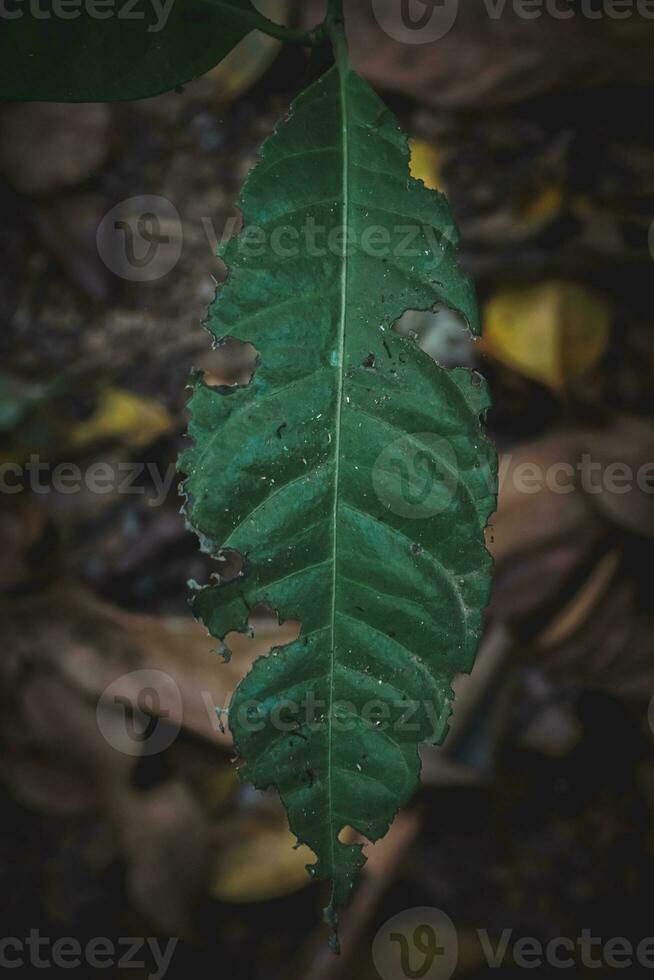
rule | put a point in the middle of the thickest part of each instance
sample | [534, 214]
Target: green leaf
[18, 397]
[351, 473]
[108, 50]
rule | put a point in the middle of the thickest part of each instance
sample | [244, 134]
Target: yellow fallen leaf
[426, 164]
[544, 207]
[257, 861]
[550, 333]
[123, 415]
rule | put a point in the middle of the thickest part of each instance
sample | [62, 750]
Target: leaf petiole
[312, 39]
[335, 11]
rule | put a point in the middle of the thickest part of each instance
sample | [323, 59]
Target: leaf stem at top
[312, 39]
[335, 31]
[335, 11]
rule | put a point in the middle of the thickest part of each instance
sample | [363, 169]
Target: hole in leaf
[370, 362]
[347, 835]
[441, 332]
[264, 621]
[231, 565]
[264, 633]
[231, 365]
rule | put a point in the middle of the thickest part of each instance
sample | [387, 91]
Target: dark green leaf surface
[352, 473]
[122, 50]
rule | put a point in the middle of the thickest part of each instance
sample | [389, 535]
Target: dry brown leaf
[166, 841]
[68, 227]
[49, 145]
[538, 539]
[623, 485]
[63, 649]
[575, 597]
[531, 510]
[613, 648]
[577, 612]
[21, 525]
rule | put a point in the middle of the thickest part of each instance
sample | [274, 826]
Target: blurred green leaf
[110, 50]
[17, 397]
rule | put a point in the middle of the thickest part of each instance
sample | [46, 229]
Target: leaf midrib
[342, 75]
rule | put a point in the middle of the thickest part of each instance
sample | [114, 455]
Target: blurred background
[537, 814]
